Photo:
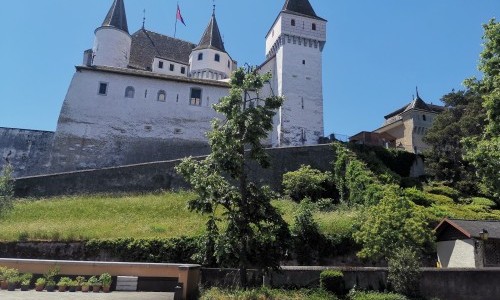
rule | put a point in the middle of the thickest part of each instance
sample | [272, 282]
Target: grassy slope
[139, 216]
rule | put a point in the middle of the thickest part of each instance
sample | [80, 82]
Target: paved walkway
[32, 295]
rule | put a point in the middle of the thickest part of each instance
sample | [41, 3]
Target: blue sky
[376, 53]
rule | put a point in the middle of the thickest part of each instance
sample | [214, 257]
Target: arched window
[314, 26]
[200, 56]
[217, 57]
[293, 22]
[162, 96]
[129, 92]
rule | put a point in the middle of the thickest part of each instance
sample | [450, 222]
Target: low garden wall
[445, 284]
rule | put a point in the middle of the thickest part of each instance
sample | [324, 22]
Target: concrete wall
[27, 150]
[445, 284]
[161, 175]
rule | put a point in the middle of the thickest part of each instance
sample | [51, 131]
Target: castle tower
[209, 60]
[295, 42]
[112, 40]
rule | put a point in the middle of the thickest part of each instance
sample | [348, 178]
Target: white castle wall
[96, 131]
[111, 47]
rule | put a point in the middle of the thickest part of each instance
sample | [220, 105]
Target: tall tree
[463, 117]
[249, 231]
[484, 152]
[6, 189]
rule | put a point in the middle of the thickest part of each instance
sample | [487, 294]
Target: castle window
[293, 22]
[162, 96]
[228, 64]
[200, 56]
[314, 26]
[160, 65]
[195, 97]
[129, 92]
[103, 88]
[303, 61]
[217, 57]
[172, 67]
[183, 70]
[424, 118]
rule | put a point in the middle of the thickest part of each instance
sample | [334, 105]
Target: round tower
[209, 60]
[112, 40]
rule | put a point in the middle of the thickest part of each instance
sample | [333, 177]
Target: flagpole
[176, 12]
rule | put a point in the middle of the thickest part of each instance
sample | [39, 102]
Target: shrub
[404, 272]
[306, 182]
[306, 235]
[439, 199]
[265, 293]
[6, 190]
[332, 281]
[417, 197]
[447, 191]
[483, 202]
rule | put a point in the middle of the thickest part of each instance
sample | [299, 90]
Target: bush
[332, 281]
[417, 197]
[447, 191]
[6, 190]
[265, 293]
[307, 182]
[404, 272]
[361, 295]
[439, 199]
[483, 202]
[306, 235]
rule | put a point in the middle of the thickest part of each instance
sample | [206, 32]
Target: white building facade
[146, 97]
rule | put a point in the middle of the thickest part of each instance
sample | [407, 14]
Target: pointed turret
[212, 38]
[113, 41]
[302, 7]
[209, 60]
[116, 16]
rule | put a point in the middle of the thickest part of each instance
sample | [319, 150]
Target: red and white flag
[179, 15]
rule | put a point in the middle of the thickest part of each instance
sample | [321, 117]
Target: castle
[145, 96]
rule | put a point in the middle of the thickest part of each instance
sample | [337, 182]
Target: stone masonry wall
[162, 176]
[27, 150]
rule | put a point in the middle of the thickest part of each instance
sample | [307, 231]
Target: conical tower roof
[211, 38]
[116, 16]
[301, 7]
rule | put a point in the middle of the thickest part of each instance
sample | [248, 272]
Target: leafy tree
[390, 225]
[252, 233]
[444, 160]
[484, 152]
[6, 189]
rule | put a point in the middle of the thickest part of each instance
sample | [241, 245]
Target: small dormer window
[160, 65]
[217, 57]
[293, 22]
[172, 67]
[200, 56]
[183, 70]
[314, 26]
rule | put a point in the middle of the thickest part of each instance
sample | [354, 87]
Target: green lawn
[140, 216]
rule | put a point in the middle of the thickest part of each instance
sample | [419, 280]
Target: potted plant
[26, 281]
[12, 278]
[96, 285]
[3, 280]
[85, 286]
[79, 280]
[106, 281]
[50, 284]
[40, 284]
[63, 283]
[72, 285]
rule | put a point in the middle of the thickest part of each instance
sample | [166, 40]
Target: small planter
[50, 288]
[96, 288]
[62, 288]
[4, 285]
[11, 286]
[85, 288]
[25, 287]
[106, 288]
[39, 287]
[72, 289]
